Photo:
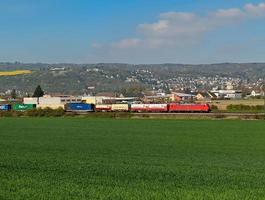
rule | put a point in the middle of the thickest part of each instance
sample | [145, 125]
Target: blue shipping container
[80, 107]
[5, 107]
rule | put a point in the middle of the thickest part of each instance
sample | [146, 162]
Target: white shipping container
[137, 106]
[52, 106]
[120, 107]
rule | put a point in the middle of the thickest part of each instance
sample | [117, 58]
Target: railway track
[204, 114]
[176, 115]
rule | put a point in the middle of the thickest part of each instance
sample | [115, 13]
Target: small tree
[38, 92]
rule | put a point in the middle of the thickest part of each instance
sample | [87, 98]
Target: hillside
[77, 78]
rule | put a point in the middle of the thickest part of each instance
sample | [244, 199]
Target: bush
[45, 112]
[11, 114]
[241, 107]
[214, 107]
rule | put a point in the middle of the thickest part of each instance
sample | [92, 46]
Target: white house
[255, 94]
[228, 94]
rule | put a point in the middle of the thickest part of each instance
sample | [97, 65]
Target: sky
[132, 31]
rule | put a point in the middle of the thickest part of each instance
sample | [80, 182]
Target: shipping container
[103, 107]
[5, 107]
[23, 107]
[79, 107]
[119, 107]
[52, 106]
[174, 107]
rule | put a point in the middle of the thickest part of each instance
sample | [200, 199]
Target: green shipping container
[23, 107]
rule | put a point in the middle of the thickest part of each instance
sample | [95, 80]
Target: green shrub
[241, 107]
[45, 112]
[214, 107]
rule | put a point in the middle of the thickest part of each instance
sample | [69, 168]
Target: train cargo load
[174, 107]
[119, 107]
[103, 108]
[79, 107]
[52, 106]
[6, 107]
[23, 107]
[138, 108]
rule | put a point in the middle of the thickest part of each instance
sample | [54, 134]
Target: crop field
[15, 72]
[82, 158]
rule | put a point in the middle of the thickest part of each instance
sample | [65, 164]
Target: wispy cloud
[176, 28]
[255, 10]
[127, 43]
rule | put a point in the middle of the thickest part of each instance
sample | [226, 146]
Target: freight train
[145, 108]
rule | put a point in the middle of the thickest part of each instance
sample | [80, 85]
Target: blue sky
[132, 31]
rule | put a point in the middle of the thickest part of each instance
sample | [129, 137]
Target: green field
[74, 158]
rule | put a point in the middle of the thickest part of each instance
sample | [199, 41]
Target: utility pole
[264, 95]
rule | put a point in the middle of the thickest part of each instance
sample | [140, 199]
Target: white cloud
[176, 28]
[182, 16]
[229, 13]
[255, 10]
[127, 43]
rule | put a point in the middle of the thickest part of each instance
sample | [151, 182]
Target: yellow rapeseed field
[15, 73]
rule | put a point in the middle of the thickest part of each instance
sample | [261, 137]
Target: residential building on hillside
[205, 96]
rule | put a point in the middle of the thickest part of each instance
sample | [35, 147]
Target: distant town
[167, 82]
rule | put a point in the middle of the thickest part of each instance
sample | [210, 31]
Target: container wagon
[103, 108]
[6, 107]
[23, 107]
[174, 107]
[79, 107]
[138, 107]
[149, 108]
[157, 108]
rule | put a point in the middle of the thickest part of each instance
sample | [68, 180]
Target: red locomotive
[174, 107]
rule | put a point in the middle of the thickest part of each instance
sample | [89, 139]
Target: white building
[228, 94]
[93, 99]
[52, 102]
[255, 94]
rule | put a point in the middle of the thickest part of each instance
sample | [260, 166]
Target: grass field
[15, 72]
[74, 158]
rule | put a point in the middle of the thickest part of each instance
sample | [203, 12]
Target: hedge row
[241, 107]
[46, 112]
